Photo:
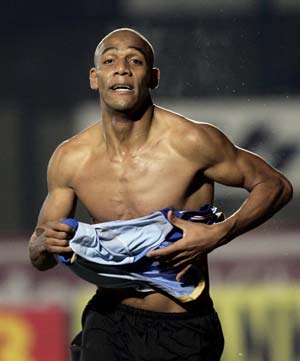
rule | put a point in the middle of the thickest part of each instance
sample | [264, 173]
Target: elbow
[289, 191]
[42, 266]
[285, 190]
[42, 261]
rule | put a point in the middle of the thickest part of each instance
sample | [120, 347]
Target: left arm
[268, 191]
[227, 164]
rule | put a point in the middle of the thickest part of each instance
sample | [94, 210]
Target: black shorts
[123, 333]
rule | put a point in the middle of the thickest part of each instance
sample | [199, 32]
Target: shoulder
[73, 151]
[194, 139]
[190, 129]
[78, 145]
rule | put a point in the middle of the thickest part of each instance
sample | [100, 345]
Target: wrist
[39, 256]
[224, 231]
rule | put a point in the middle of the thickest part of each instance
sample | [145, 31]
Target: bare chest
[133, 186]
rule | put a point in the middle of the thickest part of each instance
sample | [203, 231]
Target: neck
[126, 133]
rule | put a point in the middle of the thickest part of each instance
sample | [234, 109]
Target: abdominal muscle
[135, 205]
[154, 301]
[151, 301]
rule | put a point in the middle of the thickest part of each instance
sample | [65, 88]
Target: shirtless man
[137, 159]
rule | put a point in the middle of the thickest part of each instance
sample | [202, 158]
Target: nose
[122, 67]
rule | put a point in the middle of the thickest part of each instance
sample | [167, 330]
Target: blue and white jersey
[112, 254]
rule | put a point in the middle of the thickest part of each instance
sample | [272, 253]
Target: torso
[159, 175]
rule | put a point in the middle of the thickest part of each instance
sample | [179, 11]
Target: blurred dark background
[233, 63]
[205, 50]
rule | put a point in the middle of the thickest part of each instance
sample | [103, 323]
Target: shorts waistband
[104, 305]
[164, 315]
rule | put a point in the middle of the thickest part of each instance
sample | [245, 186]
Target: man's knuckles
[58, 226]
[57, 247]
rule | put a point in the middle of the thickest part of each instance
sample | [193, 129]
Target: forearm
[39, 256]
[265, 199]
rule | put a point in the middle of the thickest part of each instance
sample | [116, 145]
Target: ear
[93, 79]
[155, 76]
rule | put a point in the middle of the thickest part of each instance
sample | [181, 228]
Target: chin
[125, 105]
[121, 106]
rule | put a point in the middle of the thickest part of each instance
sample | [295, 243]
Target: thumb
[178, 222]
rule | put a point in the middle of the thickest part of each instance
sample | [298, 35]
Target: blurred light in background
[234, 64]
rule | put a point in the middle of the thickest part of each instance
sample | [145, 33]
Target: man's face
[123, 71]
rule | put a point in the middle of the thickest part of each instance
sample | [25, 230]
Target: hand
[55, 236]
[197, 239]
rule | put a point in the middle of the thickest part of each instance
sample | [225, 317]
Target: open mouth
[122, 88]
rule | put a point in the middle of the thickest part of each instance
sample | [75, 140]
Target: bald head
[144, 45]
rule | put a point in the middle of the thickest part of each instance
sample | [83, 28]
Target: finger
[176, 261]
[165, 266]
[183, 272]
[58, 234]
[179, 223]
[180, 255]
[182, 261]
[59, 249]
[175, 265]
[163, 252]
[60, 227]
[53, 242]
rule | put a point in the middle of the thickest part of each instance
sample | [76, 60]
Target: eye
[136, 61]
[108, 61]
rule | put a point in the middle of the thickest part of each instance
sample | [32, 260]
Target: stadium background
[234, 63]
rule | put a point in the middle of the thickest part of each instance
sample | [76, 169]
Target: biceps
[59, 203]
[244, 169]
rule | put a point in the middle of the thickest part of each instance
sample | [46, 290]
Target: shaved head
[147, 48]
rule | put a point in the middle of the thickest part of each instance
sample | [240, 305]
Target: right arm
[50, 235]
